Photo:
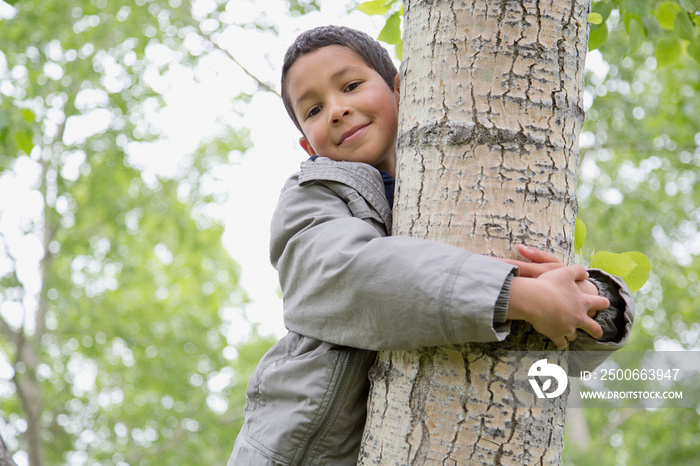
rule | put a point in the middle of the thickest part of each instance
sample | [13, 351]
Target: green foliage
[595, 18]
[667, 25]
[637, 191]
[615, 264]
[392, 11]
[391, 33]
[672, 28]
[375, 7]
[302, 7]
[579, 236]
[632, 266]
[664, 436]
[124, 342]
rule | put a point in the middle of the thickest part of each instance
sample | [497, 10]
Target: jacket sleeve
[587, 353]
[346, 282]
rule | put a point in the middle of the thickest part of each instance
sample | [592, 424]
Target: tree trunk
[5, 455]
[491, 109]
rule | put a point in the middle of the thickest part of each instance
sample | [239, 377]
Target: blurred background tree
[114, 280]
[638, 191]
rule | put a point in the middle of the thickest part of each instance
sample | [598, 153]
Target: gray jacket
[351, 290]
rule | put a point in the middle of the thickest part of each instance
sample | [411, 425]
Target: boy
[350, 289]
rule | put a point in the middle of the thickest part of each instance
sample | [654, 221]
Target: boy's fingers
[587, 287]
[592, 328]
[579, 272]
[536, 255]
[599, 303]
[560, 342]
[527, 269]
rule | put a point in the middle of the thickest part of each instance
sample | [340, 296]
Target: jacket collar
[362, 177]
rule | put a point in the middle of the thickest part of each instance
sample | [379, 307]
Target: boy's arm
[344, 282]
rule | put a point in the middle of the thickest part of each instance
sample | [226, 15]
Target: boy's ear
[397, 89]
[304, 143]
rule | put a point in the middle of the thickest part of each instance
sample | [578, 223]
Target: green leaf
[391, 32]
[603, 9]
[652, 26]
[615, 264]
[598, 36]
[640, 274]
[694, 51]
[636, 33]
[636, 7]
[579, 235]
[4, 119]
[667, 51]
[28, 115]
[666, 14]
[374, 7]
[399, 49]
[595, 18]
[23, 139]
[684, 26]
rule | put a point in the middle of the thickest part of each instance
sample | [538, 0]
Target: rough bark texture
[491, 109]
[5, 455]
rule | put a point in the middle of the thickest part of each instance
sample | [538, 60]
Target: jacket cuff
[617, 319]
[587, 353]
[480, 301]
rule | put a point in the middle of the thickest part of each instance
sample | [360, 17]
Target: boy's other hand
[538, 262]
[557, 303]
[542, 262]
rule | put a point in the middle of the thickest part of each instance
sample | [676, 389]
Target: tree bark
[491, 109]
[5, 455]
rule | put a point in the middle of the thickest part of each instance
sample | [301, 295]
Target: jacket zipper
[332, 406]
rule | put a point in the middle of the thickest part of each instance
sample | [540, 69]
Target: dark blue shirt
[388, 180]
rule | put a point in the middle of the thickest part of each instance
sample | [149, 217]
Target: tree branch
[14, 336]
[5, 455]
[49, 234]
[612, 425]
[262, 84]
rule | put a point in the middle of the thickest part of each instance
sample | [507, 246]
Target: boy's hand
[539, 262]
[542, 262]
[557, 303]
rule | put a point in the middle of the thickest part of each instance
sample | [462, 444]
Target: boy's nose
[338, 112]
[338, 117]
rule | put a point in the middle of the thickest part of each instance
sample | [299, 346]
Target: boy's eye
[313, 111]
[352, 86]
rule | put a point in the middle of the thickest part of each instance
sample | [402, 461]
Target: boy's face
[345, 109]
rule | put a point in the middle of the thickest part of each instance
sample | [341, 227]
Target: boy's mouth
[352, 133]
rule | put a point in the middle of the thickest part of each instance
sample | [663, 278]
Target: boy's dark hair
[368, 49]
